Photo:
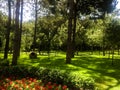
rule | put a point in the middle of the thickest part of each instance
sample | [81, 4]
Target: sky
[27, 12]
[27, 15]
[118, 5]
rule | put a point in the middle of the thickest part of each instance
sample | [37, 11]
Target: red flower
[55, 84]
[57, 88]
[16, 86]
[31, 79]
[23, 80]
[3, 89]
[34, 80]
[20, 88]
[49, 83]
[43, 88]
[37, 87]
[64, 87]
[50, 87]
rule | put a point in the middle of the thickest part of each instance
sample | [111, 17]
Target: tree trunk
[109, 54]
[70, 28]
[16, 35]
[21, 17]
[103, 46]
[92, 49]
[8, 31]
[99, 51]
[35, 29]
[103, 43]
[49, 42]
[74, 29]
[112, 55]
[118, 50]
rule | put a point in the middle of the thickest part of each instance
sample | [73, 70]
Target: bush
[4, 62]
[48, 75]
[33, 55]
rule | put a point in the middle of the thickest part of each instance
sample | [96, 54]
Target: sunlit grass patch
[84, 65]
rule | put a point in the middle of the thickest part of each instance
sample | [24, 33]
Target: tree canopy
[81, 22]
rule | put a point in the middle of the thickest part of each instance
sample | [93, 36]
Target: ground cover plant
[28, 84]
[84, 65]
[17, 74]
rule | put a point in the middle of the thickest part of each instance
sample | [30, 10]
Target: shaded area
[106, 76]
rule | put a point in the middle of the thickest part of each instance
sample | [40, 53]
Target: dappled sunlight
[116, 87]
[99, 68]
[86, 44]
[110, 71]
[71, 66]
[107, 83]
[83, 65]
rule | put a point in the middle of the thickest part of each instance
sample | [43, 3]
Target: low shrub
[33, 55]
[48, 75]
[4, 62]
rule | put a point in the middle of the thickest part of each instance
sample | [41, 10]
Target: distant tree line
[70, 26]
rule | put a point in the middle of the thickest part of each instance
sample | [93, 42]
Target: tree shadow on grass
[106, 75]
[54, 62]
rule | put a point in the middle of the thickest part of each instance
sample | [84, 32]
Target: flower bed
[28, 84]
[45, 75]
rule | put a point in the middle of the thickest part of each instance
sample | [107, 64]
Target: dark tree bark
[21, 17]
[35, 29]
[112, 55]
[109, 53]
[118, 49]
[70, 28]
[8, 31]
[103, 43]
[103, 47]
[16, 35]
[74, 28]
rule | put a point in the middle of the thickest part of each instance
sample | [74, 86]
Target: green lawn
[98, 67]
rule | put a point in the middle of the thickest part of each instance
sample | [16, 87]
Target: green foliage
[4, 62]
[15, 71]
[48, 33]
[0, 43]
[94, 37]
[113, 32]
[47, 75]
[27, 36]
[89, 33]
[100, 5]
[2, 29]
[83, 67]
[56, 7]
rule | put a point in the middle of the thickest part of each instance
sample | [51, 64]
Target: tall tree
[84, 7]
[74, 27]
[16, 35]
[8, 31]
[112, 35]
[35, 28]
[49, 29]
[70, 28]
[21, 17]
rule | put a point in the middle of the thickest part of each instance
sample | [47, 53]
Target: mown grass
[85, 65]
